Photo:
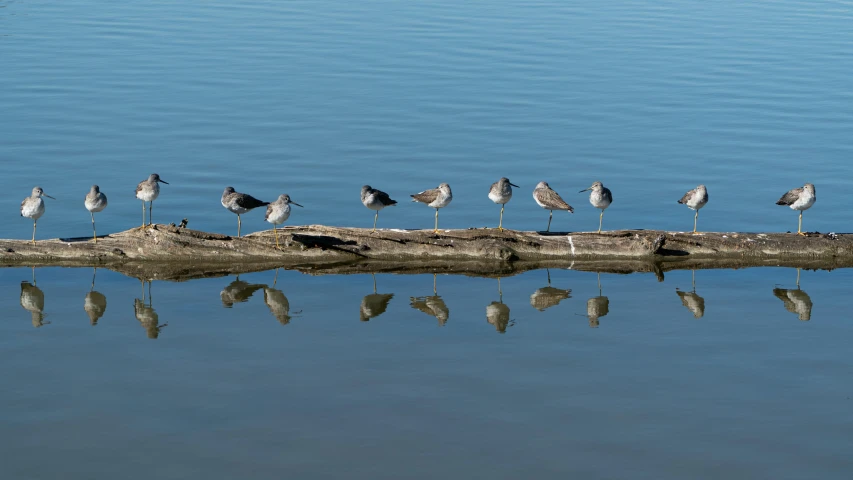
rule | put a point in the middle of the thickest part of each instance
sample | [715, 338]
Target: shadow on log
[172, 253]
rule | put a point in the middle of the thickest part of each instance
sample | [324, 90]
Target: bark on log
[167, 252]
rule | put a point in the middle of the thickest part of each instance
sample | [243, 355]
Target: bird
[547, 297]
[32, 299]
[95, 202]
[501, 193]
[375, 200]
[374, 304]
[695, 199]
[147, 191]
[278, 304]
[238, 291]
[33, 207]
[692, 300]
[795, 301]
[599, 197]
[95, 305]
[436, 198]
[433, 306]
[799, 199]
[548, 199]
[278, 212]
[239, 203]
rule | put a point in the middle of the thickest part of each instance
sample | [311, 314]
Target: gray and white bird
[501, 193]
[375, 200]
[799, 199]
[239, 203]
[95, 202]
[278, 304]
[695, 199]
[32, 299]
[548, 199]
[148, 191]
[436, 198]
[600, 197]
[278, 212]
[33, 207]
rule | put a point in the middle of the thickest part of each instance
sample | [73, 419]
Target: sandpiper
[95, 202]
[279, 211]
[147, 191]
[599, 197]
[799, 199]
[375, 200]
[33, 207]
[501, 193]
[436, 198]
[548, 199]
[239, 203]
[695, 199]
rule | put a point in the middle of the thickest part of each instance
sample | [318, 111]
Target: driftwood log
[173, 253]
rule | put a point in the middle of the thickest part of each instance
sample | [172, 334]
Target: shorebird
[599, 197]
[32, 299]
[95, 202]
[33, 207]
[95, 303]
[374, 304]
[695, 199]
[501, 193]
[375, 200]
[436, 198]
[497, 313]
[147, 191]
[548, 199]
[692, 300]
[547, 297]
[279, 211]
[799, 199]
[239, 203]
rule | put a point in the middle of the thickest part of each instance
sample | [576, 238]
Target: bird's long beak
[585, 190]
[298, 205]
[48, 196]
[163, 181]
[514, 185]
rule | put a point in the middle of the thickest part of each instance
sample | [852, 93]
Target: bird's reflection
[277, 302]
[95, 302]
[547, 297]
[692, 300]
[497, 313]
[796, 300]
[374, 304]
[238, 291]
[32, 299]
[146, 315]
[433, 306]
[597, 306]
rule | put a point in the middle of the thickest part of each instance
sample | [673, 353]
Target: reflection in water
[547, 297]
[374, 304]
[433, 306]
[597, 306]
[497, 313]
[95, 303]
[238, 291]
[277, 302]
[691, 300]
[796, 300]
[146, 314]
[32, 299]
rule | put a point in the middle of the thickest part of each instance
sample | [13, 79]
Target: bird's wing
[687, 196]
[384, 198]
[139, 187]
[248, 201]
[790, 197]
[269, 212]
[427, 196]
[551, 198]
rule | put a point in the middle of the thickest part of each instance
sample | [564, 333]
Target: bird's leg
[434, 291]
[374, 280]
[501, 222]
[239, 223]
[275, 278]
[694, 280]
[550, 216]
[375, 217]
[94, 272]
[34, 231]
[143, 214]
[500, 291]
[94, 233]
[150, 207]
[800, 225]
[599, 283]
[275, 232]
[600, 218]
[548, 271]
[695, 218]
[435, 230]
[798, 279]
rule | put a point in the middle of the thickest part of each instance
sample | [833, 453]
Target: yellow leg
[550, 216]
[600, 219]
[239, 224]
[800, 225]
[695, 218]
[501, 222]
[375, 218]
[435, 230]
[275, 232]
[34, 231]
[94, 234]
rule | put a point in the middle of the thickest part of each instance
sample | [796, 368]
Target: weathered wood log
[162, 251]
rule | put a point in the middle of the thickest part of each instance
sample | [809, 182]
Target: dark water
[316, 99]
[319, 376]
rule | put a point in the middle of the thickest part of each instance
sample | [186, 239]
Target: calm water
[316, 99]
